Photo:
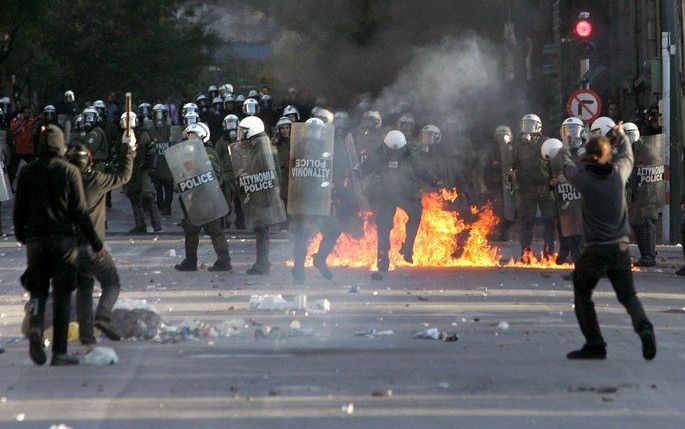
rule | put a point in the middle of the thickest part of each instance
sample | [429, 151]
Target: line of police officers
[317, 175]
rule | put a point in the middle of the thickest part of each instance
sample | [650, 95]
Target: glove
[129, 140]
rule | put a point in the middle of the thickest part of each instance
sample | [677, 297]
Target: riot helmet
[430, 135]
[212, 91]
[250, 127]
[316, 127]
[191, 118]
[145, 111]
[503, 134]
[202, 101]
[395, 140]
[253, 94]
[90, 118]
[551, 148]
[49, 114]
[160, 113]
[133, 119]
[531, 124]
[229, 103]
[99, 105]
[291, 112]
[372, 120]
[198, 130]
[284, 126]
[189, 107]
[240, 99]
[602, 126]
[5, 105]
[266, 102]
[250, 107]
[572, 132]
[69, 96]
[218, 103]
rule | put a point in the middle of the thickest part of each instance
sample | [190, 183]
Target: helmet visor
[529, 126]
[250, 109]
[571, 132]
[429, 137]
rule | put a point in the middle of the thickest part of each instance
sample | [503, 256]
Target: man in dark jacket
[602, 182]
[394, 182]
[50, 206]
[96, 186]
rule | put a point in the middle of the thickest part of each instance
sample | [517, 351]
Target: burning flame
[436, 241]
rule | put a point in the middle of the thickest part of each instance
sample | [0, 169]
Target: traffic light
[582, 30]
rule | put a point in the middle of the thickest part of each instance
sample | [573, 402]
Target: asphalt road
[511, 374]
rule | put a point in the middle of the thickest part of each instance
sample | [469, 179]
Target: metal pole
[670, 10]
[666, 114]
[584, 68]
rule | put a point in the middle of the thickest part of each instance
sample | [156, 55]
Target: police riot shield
[256, 174]
[567, 199]
[310, 177]
[194, 178]
[64, 122]
[5, 187]
[647, 182]
[175, 134]
[508, 197]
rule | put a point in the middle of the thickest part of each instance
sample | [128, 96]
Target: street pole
[670, 24]
[666, 114]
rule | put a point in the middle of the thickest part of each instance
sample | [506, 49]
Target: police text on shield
[257, 182]
[196, 181]
[651, 174]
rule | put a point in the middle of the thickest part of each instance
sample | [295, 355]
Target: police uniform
[533, 193]
[213, 229]
[140, 190]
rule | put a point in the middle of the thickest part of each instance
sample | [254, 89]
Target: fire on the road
[435, 242]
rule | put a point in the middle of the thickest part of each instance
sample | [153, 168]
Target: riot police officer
[533, 188]
[200, 131]
[646, 190]
[140, 190]
[368, 136]
[229, 136]
[394, 175]
[281, 142]
[256, 169]
[96, 138]
[161, 139]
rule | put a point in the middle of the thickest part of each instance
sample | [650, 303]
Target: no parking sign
[584, 104]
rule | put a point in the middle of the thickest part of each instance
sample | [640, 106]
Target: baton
[128, 114]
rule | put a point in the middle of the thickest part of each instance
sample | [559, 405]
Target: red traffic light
[583, 28]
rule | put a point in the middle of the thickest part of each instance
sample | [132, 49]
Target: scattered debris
[443, 385]
[387, 393]
[602, 390]
[353, 289]
[347, 409]
[21, 417]
[323, 304]
[101, 356]
[60, 426]
[277, 302]
[503, 325]
[436, 334]
[372, 333]
[171, 253]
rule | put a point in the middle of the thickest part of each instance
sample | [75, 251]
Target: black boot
[35, 334]
[258, 270]
[221, 264]
[298, 275]
[648, 343]
[187, 265]
[383, 263]
[322, 266]
[407, 253]
[108, 329]
[588, 352]
[63, 360]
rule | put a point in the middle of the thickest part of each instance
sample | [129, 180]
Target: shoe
[681, 271]
[186, 266]
[88, 341]
[407, 255]
[561, 258]
[257, 270]
[138, 230]
[383, 264]
[568, 277]
[221, 265]
[648, 343]
[298, 275]
[646, 262]
[106, 328]
[63, 360]
[320, 264]
[36, 350]
[588, 352]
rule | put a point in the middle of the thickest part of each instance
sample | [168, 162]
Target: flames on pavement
[436, 241]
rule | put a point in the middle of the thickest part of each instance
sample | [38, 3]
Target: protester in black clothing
[601, 179]
[50, 206]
